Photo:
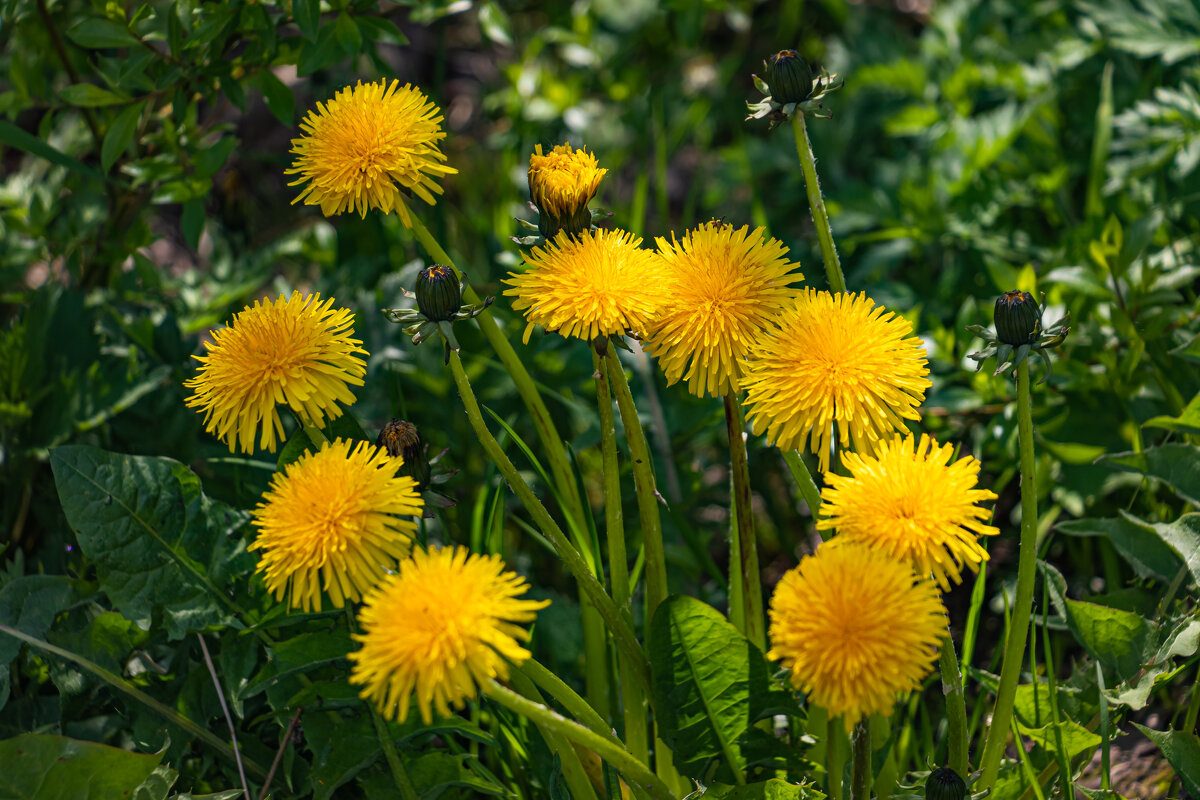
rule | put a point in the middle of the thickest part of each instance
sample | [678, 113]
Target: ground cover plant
[652, 400]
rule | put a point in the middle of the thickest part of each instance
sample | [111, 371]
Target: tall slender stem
[956, 707]
[557, 688]
[560, 465]
[621, 630]
[808, 165]
[804, 480]
[611, 751]
[572, 768]
[1014, 647]
[860, 771]
[556, 452]
[743, 562]
[399, 774]
[643, 480]
[633, 701]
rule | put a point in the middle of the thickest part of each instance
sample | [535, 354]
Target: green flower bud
[402, 439]
[439, 294]
[789, 77]
[1018, 318]
[945, 784]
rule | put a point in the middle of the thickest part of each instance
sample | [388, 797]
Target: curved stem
[609, 750]
[804, 480]
[956, 707]
[860, 771]
[573, 770]
[1014, 647]
[743, 555]
[556, 452]
[633, 701]
[808, 165]
[621, 630]
[557, 688]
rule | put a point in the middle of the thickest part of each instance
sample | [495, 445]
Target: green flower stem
[557, 688]
[399, 775]
[560, 465]
[643, 479]
[743, 555]
[621, 630]
[556, 452]
[804, 480]
[860, 770]
[572, 768]
[633, 700]
[956, 707]
[634, 770]
[808, 165]
[316, 436]
[1014, 647]
[166, 712]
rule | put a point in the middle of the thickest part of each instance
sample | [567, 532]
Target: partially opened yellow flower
[597, 284]
[724, 286]
[561, 184]
[912, 504]
[367, 145]
[856, 628]
[442, 627]
[298, 351]
[337, 520]
[835, 359]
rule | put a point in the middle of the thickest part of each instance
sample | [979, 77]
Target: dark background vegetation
[972, 151]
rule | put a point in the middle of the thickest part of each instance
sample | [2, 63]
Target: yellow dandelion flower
[856, 628]
[835, 358]
[913, 504]
[296, 351]
[561, 184]
[360, 149]
[441, 627]
[724, 288]
[330, 521]
[597, 284]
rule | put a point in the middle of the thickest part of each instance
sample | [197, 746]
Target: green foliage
[43, 767]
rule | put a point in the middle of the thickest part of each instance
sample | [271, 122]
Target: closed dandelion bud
[945, 784]
[789, 77]
[1018, 318]
[402, 439]
[439, 294]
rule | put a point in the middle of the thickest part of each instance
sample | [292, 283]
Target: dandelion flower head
[835, 359]
[297, 351]
[724, 287]
[595, 284]
[912, 503]
[856, 628]
[562, 183]
[337, 520]
[363, 147]
[440, 628]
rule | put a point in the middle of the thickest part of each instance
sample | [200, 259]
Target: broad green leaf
[342, 747]
[278, 96]
[302, 653]
[308, 16]
[1137, 542]
[347, 33]
[191, 221]
[1189, 351]
[1176, 465]
[29, 603]
[1188, 420]
[1183, 536]
[1098, 794]
[705, 672]
[434, 773]
[494, 23]
[773, 789]
[99, 33]
[43, 767]
[158, 543]
[107, 640]
[1075, 738]
[1117, 639]
[13, 136]
[120, 135]
[1182, 750]
[89, 96]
